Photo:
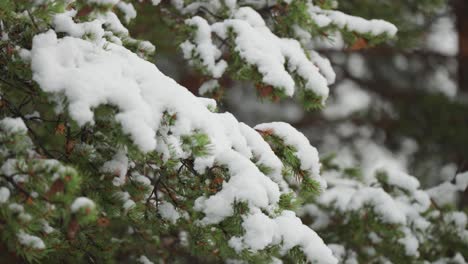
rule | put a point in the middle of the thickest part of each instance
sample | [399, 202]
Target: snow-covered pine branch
[103, 157]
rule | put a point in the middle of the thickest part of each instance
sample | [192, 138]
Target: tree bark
[461, 13]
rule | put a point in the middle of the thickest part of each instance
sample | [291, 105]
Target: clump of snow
[324, 18]
[30, 240]
[203, 47]
[401, 180]
[264, 154]
[46, 227]
[459, 219]
[442, 82]
[155, 2]
[168, 212]
[461, 181]
[444, 194]
[348, 99]
[4, 194]
[63, 22]
[258, 46]
[307, 154]
[208, 86]
[443, 28]
[287, 230]
[13, 125]
[143, 259]
[350, 199]
[324, 66]
[17, 208]
[142, 180]
[125, 197]
[410, 243]
[112, 23]
[24, 54]
[128, 10]
[103, 2]
[118, 166]
[82, 202]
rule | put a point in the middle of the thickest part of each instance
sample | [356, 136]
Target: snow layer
[444, 194]
[4, 194]
[118, 166]
[307, 154]
[13, 125]
[168, 212]
[258, 46]
[143, 259]
[203, 47]
[348, 98]
[30, 240]
[263, 153]
[104, 2]
[142, 94]
[287, 230]
[82, 202]
[324, 18]
[128, 10]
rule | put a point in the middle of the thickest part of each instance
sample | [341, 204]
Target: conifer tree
[106, 159]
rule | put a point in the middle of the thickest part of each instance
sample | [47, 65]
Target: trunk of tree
[461, 13]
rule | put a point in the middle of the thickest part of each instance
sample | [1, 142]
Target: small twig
[204, 9]
[33, 21]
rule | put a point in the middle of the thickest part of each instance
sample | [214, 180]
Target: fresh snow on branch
[142, 94]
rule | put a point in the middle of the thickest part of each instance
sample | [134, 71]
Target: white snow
[263, 153]
[208, 86]
[30, 240]
[82, 202]
[307, 154]
[258, 46]
[203, 47]
[382, 203]
[402, 180]
[444, 194]
[459, 219]
[142, 94]
[125, 198]
[4, 194]
[128, 10]
[63, 22]
[348, 99]
[350, 199]
[168, 212]
[410, 243]
[443, 29]
[46, 227]
[461, 181]
[118, 166]
[286, 230]
[17, 208]
[144, 260]
[360, 25]
[13, 125]
[104, 2]
[142, 179]
[155, 2]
